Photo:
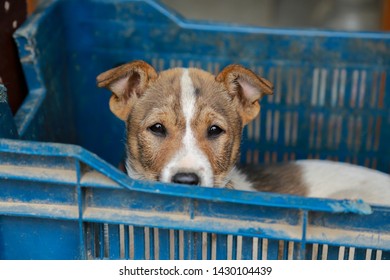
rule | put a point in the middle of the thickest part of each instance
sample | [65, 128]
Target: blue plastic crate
[62, 198]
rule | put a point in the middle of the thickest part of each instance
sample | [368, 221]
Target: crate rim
[213, 194]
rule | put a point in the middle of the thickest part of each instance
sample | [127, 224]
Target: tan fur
[216, 107]
[159, 104]
[277, 178]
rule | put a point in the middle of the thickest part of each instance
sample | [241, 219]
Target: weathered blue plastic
[62, 197]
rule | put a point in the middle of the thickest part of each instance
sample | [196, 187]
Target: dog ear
[127, 83]
[247, 86]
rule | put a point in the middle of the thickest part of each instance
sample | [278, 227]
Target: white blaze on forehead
[187, 98]
[189, 157]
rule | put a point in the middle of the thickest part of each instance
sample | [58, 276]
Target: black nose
[186, 178]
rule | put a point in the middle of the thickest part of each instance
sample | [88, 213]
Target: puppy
[184, 126]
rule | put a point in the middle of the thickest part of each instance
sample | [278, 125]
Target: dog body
[318, 178]
[184, 126]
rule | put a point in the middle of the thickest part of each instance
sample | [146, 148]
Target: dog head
[183, 125]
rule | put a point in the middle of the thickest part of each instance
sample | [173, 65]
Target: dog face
[183, 125]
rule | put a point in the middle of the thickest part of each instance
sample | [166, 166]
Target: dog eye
[214, 131]
[158, 129]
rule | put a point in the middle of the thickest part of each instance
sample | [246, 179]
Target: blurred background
[349, 15]
[329, 14]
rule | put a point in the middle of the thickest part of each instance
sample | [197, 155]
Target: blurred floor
[328, 14]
